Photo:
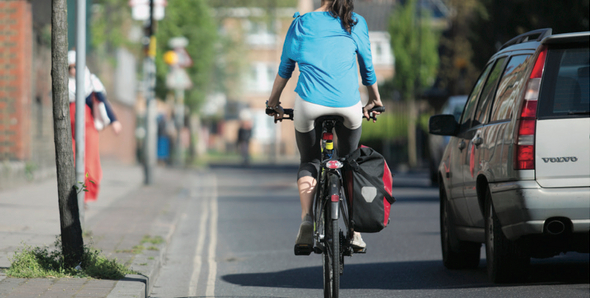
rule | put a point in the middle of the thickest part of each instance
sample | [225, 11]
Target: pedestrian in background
[244, 135]
[98, 115]
[164, 135]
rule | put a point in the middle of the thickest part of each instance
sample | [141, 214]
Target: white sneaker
[305, 235]
[357, 242]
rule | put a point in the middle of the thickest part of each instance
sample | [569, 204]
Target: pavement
[126, 211]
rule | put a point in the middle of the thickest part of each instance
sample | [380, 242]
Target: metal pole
[179, 111]
[150, 84]
[80, 101]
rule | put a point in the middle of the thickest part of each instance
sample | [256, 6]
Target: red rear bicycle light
[327, 136]
[334, 164]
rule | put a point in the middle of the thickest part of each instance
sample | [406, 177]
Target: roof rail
[529, 36]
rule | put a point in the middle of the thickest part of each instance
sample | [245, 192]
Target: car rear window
[565, 83]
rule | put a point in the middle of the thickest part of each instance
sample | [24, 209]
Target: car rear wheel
[457, 254]
[507, 261]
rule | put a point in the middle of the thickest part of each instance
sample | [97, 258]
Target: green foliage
[191, 19]
[43, 262]
[30, 168]
[97, 266]
[252, 3]
[152, 240]
[137, 249]
[497, 21]
[110, 25]
[456, 72]
[414, 44]
[82, 186]
[29, 262]
[389, 125]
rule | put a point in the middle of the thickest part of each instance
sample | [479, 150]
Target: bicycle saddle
[321, 119]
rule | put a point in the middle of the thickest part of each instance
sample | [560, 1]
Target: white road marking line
[198, 259]
[213, 242]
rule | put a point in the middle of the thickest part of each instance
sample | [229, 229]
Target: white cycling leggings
[306, 113]
[308, 135]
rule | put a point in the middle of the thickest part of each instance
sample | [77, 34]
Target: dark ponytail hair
[343, 9]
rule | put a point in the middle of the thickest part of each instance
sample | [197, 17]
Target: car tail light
[525, 142]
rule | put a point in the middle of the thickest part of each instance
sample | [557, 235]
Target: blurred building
[27, 150]
[262, 31]
[26, 121]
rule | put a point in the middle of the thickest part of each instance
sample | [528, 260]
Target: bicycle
[329, 204]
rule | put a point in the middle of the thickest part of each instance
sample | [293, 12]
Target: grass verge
[152, 240]
[43, 262]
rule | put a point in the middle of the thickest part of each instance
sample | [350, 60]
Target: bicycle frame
[329, 204]
[329, 191]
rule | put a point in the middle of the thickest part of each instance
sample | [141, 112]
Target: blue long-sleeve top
[327, 54]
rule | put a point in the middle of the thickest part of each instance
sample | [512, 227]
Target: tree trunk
[71, 230]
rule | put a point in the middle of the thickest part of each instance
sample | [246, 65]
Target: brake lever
[286, 116]
[371, 116]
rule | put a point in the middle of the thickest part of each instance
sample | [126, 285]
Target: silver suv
[516, 172]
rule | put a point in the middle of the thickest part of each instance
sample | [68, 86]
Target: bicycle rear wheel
[331, 255]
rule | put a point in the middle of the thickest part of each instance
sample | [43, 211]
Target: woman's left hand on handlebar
[374, 101]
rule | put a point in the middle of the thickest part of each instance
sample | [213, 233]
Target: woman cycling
[325, 44]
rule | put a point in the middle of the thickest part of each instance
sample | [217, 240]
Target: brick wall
[122, 147]
[41, 109]
[15, 80]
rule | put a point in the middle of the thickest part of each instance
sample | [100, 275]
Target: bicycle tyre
[335, 258]
[331, 255]
[325, 256]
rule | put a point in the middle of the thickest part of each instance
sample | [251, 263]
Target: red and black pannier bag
[368, 184]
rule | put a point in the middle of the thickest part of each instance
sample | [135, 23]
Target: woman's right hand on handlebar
[275, 110]
[273, 105]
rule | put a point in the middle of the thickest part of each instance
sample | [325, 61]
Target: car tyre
[433, 172]
[507, 260]
[457, 254]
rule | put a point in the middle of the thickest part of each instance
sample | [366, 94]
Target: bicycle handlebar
[288, 113]
[380, 109]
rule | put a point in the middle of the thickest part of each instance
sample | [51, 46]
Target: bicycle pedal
[318, 250]
[303, 249]
[348, 252]
[360, 250]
